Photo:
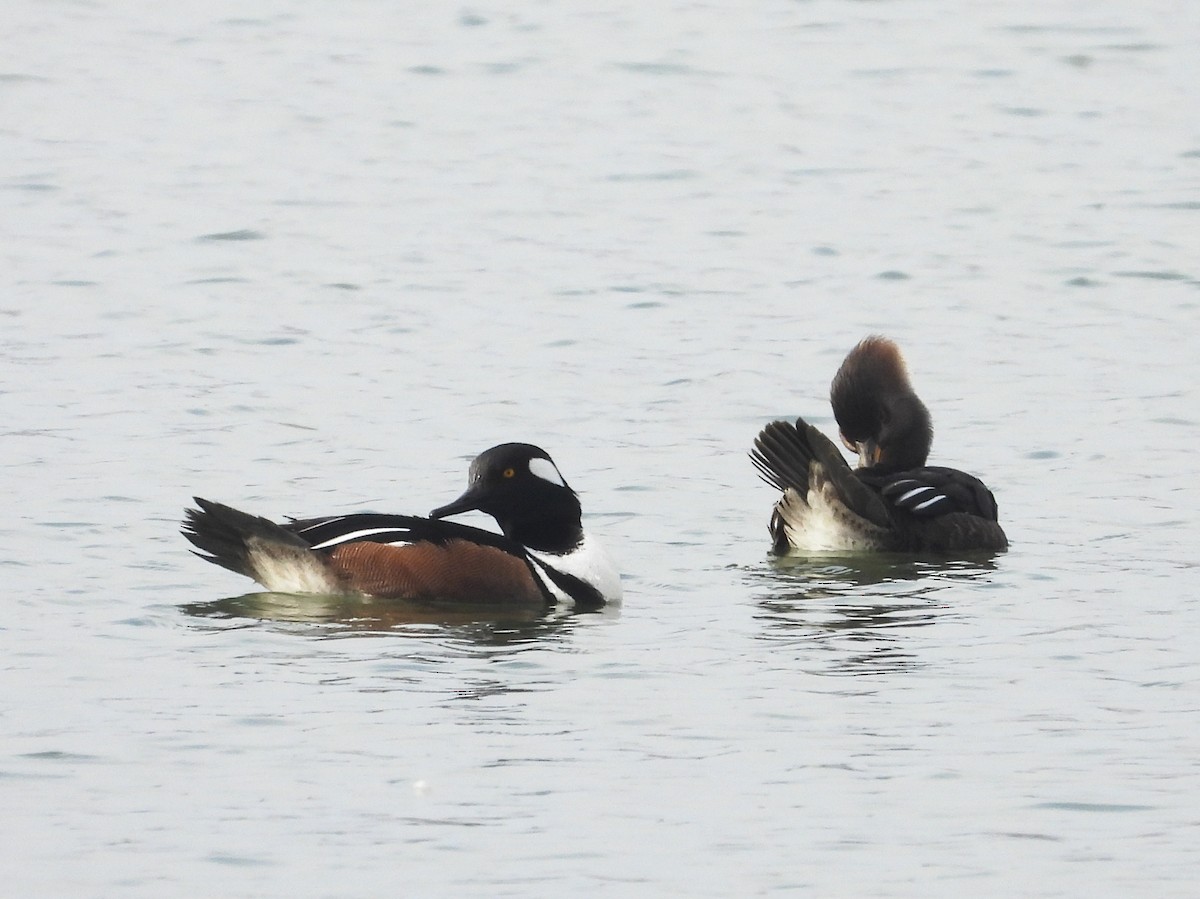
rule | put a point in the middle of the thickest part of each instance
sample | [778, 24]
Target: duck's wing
[933, 491]
[800, 458]
[825, 506]
[394, 556]
[944, 509]
[373, 527]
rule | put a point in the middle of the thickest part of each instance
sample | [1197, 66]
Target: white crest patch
[545, 469]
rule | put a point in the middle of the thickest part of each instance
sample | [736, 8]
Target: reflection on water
[851, 571]
[336, 615]
[855, 608]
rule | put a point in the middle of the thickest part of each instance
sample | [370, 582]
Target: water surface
[308, 261]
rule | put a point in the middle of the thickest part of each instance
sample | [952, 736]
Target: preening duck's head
[880, 417]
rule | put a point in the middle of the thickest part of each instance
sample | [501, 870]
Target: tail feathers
[257, 548]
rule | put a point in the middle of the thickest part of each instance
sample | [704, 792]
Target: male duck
[543, 556]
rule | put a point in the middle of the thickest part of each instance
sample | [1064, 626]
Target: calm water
[308, 258]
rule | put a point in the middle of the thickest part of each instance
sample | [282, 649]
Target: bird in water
[542, 556]
[893, 501]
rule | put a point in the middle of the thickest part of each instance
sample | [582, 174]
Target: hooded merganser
[543, 556]
[892, 501]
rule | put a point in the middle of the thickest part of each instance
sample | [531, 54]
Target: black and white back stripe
[327, 533]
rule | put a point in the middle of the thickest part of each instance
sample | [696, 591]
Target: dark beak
[468, 502]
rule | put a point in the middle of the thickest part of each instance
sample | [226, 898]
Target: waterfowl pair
[542, 555]
[892, 501]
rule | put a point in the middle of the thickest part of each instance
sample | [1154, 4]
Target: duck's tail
[258, 548]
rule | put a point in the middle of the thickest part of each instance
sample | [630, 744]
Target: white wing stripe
[916, 491]
[929, 502]
[323, 521]
[355, 535]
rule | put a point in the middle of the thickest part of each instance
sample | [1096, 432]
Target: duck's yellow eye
[509, 472]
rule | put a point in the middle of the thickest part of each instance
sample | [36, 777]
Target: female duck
[893, 501]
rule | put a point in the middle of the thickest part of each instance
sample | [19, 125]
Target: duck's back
[938, 509]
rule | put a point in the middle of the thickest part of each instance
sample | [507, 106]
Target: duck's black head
[880, 416]
[519, 485]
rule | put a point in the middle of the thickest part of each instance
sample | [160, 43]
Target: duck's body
[543, 555]
[893, 501]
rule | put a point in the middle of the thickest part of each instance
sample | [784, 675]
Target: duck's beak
[869, 453]
[468, 502]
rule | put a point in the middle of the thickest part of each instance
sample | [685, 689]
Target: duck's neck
[555, 529]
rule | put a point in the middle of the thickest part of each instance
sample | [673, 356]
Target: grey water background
[308, 258]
